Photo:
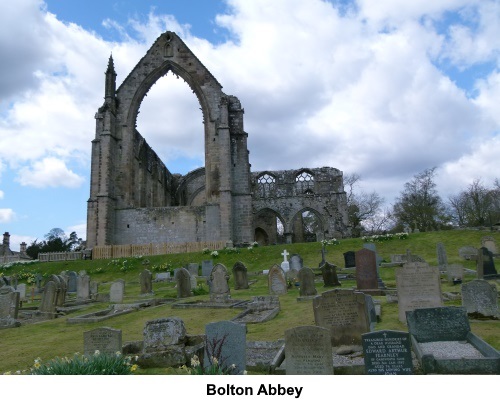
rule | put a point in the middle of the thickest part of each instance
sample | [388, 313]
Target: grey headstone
[183, 280]
[146, 282]
[276, 280]
[227, 341]
[308, 351]
[296, 262]
[240, 276]
[206, 267]
[481, 297]
[418, 286]
[106, 340]
[350, 259]
[193, 269]
[93, 288]
[164, 332]
[219, 284]
[438, 324]
[344, 313]
[373, 248]
[72, 276]
[489, 243]
[387, 352]
[21, 289]
[117, 291]
[454, 272]
[194, 282]
[9, 305]
[306, 279]
[163, 277]
[329, 273]
[366, 270]
[442, 258]
[48, 301]
[83, 287]
[372, 313]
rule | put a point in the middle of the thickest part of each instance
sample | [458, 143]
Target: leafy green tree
[419, 205]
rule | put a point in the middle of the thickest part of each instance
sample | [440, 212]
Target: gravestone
[366, 270]
[372, 313]
[21, 289]
[480, 297]
[83, 286]
[162, 277]
[468, 252]
[161, 333]
[442, 258]
[9, 305]
[350, 259]
[387, 352]
[72, 276]
[344, 313]
[308, 351]
[106, 340]
[454, 272]
[378, 260]
[276, 281]
[60, 296]
[485, 264]
[93, 288]
[219, 284]
[183, 280]
[48, 301]
[306, 279]
[329, 273]
[296, 262]
[146, 282]
[418, 286]
[240, 276]
[226, 340]
[38, 282]
[193, 269]
[206, 267]
[117, 291]
[489, 243]
[194, 282]
[285, 265]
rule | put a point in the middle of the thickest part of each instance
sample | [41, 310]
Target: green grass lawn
[20, 346]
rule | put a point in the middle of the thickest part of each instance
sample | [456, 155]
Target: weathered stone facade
[134, 199]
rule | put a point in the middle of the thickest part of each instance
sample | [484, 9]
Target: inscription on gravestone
[387, 353]
[276, 281]
[308, 351]
[106, 340]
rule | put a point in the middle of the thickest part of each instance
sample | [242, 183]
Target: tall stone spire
[109, 94]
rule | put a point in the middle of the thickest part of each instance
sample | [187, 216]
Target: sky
[384, 89]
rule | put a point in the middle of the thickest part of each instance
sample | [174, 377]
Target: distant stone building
[135, 199]
[7, 255]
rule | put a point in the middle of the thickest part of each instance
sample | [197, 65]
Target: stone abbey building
[135, 199]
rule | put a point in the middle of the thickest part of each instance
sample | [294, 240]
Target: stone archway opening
[307, 226]
[269, 227]
[171, 120]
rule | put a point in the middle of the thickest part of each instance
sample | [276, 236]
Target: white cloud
[7, 215]
[2, 194]
[80, 229]
[49, 172]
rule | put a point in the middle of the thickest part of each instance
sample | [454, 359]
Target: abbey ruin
[135, 199]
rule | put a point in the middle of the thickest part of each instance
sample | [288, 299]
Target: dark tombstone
[329, 273]
[226, 341]
[146, 282]
[366, 270]
[306, 279]
[106, 340]
[206, 267]
[387, 352]
[71, 281]
[308, 351]
[442, 258]
[240, 276]
[350, 259]
[378, 259]
[183, 280]
[219, 284]
[344, 313]
[485, 257]
[276, 281]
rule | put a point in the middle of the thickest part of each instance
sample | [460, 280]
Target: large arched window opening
[307, 226]
[171, 121]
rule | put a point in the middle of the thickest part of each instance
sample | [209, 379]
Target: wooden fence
[152, 249]
[59, 256]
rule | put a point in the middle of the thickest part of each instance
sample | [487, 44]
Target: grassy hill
[57, 338]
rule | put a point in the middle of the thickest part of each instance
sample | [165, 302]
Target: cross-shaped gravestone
[285, 254]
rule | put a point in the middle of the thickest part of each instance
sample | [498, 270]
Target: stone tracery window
[266, 184]
[304, 182]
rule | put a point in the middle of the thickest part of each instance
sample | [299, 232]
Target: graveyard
[126, 295]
